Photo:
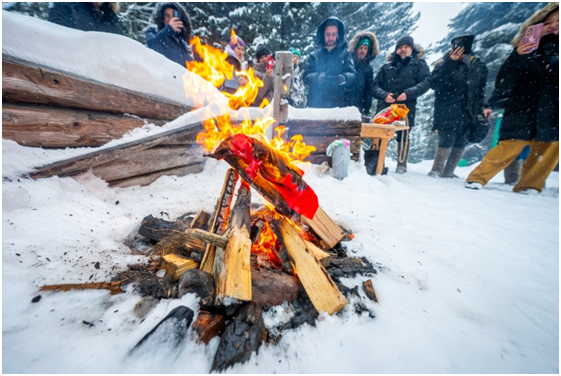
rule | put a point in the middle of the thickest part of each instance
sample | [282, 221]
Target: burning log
[113, 287]
[220, 219]
[316, 281]
[279, 181]
[232, 269]
[176, 265]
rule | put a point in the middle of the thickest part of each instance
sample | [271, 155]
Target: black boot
[439, 161]
[512, 172]
[402, 166]
[452, 162]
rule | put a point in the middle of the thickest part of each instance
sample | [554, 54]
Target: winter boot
[402, 167]
[512, 172]
[439, 161]
[452, 162]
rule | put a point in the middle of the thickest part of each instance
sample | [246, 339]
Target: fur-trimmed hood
[538, 17]
[319, 41]
[373, 51]
[158, 18]
[418, 52]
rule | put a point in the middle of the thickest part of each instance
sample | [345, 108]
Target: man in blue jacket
[172, 33]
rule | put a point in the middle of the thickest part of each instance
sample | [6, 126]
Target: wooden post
[232, 269]
[220, 219]
[282, 77]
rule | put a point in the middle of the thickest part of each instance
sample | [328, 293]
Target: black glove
[322, 77]
[341, 79]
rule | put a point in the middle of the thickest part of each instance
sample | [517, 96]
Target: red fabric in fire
[259, 158]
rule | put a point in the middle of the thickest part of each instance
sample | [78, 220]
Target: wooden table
[380, 135]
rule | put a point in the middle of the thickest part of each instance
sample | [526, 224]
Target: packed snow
[468, 281]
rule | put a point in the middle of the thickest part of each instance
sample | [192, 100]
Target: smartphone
[533, 34]
[176, 14]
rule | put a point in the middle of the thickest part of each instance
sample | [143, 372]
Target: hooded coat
[410, 76]
[364, 71]
[336, 65]
[84, 16]
[527, 87]
[265, 92]
[164, 40]
[459, 89]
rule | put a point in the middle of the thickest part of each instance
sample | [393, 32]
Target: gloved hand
[341, 79]
[322, 77]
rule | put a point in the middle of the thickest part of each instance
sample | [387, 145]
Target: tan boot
[452, 163]
[439, 161]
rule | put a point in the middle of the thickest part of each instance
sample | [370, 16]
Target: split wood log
[83, 163]
[232, 268]
[113, 287]
[208, 237]
[28, 82]
[200, 221]
[329, 232]
[220, 218]
[58, 127]
[323, 257]
[208, 325]
[319, 286]
[176, 265]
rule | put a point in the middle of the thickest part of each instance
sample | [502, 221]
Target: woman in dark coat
[402, 80]
[458, 81]
[364, 40]
[527, 87]
[330, 71]
[171, 35]
[87, 16]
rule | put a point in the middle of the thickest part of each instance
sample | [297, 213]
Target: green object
[463, 163]
[497, 129]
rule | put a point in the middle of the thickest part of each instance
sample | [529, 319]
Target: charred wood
[208, 325]
[200, 283]
[156, 228]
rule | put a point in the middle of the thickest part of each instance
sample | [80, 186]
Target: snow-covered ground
[468, 281]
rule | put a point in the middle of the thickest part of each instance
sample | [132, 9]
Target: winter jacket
[529, 85]
[83, 16]
[364, 71]
[232, 85]
[265, 92]
[330, 75]
[164, 40]
[296, 98]
[459, 91]
[410, 76]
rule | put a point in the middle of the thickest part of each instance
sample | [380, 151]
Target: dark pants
[454, 137]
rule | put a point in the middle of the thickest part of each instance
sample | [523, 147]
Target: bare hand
[487, 113]
[269, 72]
[457, 53]
[402, 97]
[389, 98]
[242, 81]
[176, 24]
[525, 48]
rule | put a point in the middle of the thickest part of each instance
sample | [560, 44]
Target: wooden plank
[147, 179]
[176, 265]
[82, 163]
[56, 127]
[382, 156]
[146, 161]
[232, 268]
[323, 257]
[28, 82]
[113, 287]
[283, 68]
[319, 286]
[334, 128]
[325, 228]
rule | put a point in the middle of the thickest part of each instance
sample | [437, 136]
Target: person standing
[364, 48]
[265, 74]
[330, 71]
[172, 33]
[528, 83]
[87, 16]
[296, 98]
[402, 80]
[458, 80]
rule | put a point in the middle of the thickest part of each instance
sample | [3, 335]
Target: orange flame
[267, 245]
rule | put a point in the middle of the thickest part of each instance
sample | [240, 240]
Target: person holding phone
[458, 80]
[172, 33]
[527, 87]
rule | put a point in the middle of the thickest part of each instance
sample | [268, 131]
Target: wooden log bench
[380, 135]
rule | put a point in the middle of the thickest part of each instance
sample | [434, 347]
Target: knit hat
[295, 52]
[261, 51]
[364, 41]
[236, 41]
[404, 41]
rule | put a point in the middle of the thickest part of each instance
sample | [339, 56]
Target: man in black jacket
[458, 80]
[364, 47]
[402, 80]
[330, 71]
[87, 16]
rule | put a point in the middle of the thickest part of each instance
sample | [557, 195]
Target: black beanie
[406, 40]
[260, 51]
